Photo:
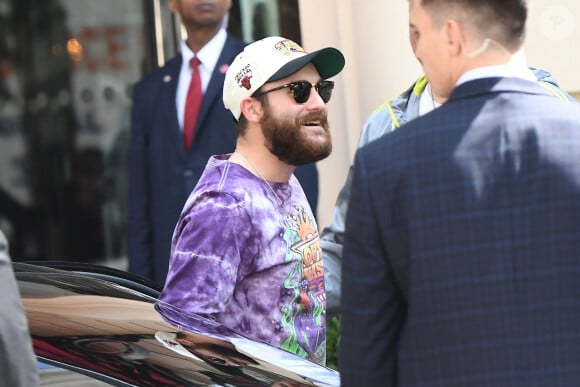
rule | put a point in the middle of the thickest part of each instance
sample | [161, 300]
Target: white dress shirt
[208, 56]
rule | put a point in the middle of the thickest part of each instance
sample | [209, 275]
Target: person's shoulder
[236, 42]
[549, 83]
[398, 104]
[392, 113]
[232, 47]
[215, 194]
[381, 121]
[161, 74]
[224, 179]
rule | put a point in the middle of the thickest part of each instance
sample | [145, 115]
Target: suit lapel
[214, 91]
[170, 78]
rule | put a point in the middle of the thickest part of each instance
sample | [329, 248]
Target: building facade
[66, 72]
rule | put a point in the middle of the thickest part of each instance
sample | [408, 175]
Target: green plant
[332, 342]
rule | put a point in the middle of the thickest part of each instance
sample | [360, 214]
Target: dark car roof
[101, 322]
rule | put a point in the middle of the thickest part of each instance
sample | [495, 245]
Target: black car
[101, 322]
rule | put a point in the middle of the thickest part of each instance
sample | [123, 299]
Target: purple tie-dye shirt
[249, 262]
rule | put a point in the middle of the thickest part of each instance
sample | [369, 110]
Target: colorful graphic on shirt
[306, 310]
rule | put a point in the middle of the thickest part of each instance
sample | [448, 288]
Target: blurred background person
[18, 362]
[167, 151]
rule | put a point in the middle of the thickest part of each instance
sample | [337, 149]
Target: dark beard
[284, 139]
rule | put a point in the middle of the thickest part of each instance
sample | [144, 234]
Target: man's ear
[455, 37]
[251, 109]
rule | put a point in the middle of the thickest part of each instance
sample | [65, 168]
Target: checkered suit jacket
[462, 250]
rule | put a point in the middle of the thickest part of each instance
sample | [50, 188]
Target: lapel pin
[167, 78]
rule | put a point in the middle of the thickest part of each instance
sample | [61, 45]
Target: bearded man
[246, 250]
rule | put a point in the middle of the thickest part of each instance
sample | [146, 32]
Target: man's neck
[262, 163]
[198, 38]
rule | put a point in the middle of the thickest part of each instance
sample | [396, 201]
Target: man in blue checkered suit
[462, 248]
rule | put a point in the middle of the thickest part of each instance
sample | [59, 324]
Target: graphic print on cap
[284, 47]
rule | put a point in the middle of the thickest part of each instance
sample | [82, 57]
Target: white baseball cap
[271, 59]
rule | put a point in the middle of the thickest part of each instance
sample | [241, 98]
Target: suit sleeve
[371, 306]
[17, 363]
[332, 237]
[139, 218]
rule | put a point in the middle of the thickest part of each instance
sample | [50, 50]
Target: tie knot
[194, 62]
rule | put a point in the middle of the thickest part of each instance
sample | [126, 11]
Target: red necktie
[192, 103]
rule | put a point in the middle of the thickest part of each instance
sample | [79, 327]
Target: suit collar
[167, 103]
[506, 70]
[496, 85]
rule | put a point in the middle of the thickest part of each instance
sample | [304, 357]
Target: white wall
[552, 40]
[380, 64]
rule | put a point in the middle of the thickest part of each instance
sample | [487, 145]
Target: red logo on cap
[245, 82]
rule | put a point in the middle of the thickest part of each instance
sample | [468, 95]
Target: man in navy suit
[461, 248]
[162, 171]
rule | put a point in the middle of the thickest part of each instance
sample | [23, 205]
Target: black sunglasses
[301, 90]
